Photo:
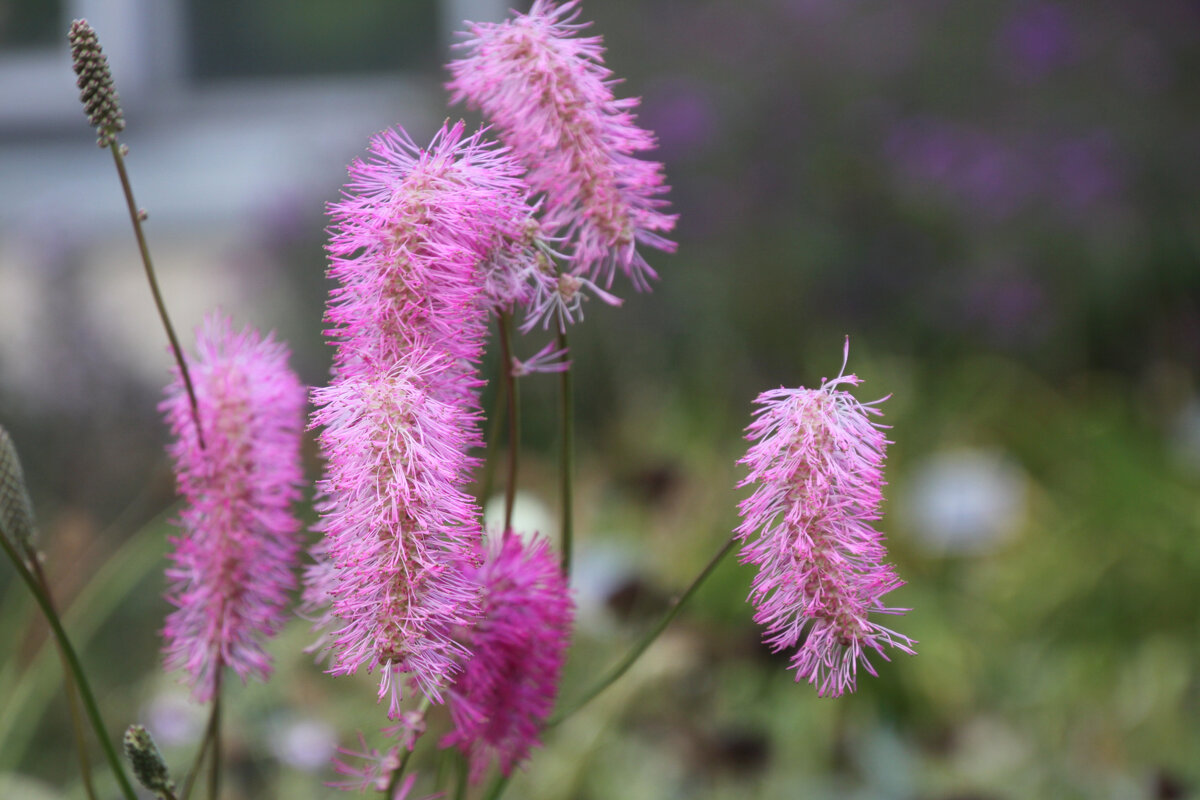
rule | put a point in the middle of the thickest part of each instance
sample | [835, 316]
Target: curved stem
[514, 420]
[647, 639]
[85, 768]
[567, 461]
[76, 669]
[144, 249]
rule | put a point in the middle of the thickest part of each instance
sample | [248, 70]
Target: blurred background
[995, 200]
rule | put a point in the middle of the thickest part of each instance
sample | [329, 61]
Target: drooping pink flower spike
[816, 464]
[397, 524]
[425, 242]
[423, 239]
[235, 555]
[507, 687]
[547, 91]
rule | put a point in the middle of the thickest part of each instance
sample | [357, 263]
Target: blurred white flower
[306, 744]
[964, 501]
[530, 514]
[173, 719]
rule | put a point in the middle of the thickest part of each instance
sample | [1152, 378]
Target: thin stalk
[398, 773]
[135, 218]
[497, 788]
[633, 655]
[198, 762]
[76, 669]
[214, 766]
[567, 465]
[462, 776]
[514, 420]
[85, 767]
[488, 481]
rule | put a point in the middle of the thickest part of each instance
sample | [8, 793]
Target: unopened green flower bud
[16, 511]
[95, 83]
[148, 765]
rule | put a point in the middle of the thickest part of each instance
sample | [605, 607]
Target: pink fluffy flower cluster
[425, 244]
[547, 91]
[234, 556]
[410, 249]
[816, 463]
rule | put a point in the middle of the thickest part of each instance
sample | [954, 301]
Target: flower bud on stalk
[147, 763]
[95, 83]
[16, 511]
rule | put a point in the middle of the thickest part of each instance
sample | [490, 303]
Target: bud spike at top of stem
[95, 82]
[148, 765]
[16, 510]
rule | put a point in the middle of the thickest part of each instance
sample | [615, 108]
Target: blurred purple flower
[681, 112]
[971, 166]
[1085, 172]
[1035, 41]
[1011, 306]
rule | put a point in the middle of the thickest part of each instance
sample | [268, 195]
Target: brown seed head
[95, 83]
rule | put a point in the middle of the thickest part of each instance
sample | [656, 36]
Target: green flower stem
[212, 739]
[198, 762]
[497, 788]
[76, 669]
[567, 465]
[398, 773]
[135, 218]
[647, 639]
[514, 418]
[85, 767]
[214, 766]
[487, 482]
[462, 776]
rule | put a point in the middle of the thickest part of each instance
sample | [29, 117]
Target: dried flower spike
[817, 466]
[16, 510]
[147, 762]
[95, 83]
[233, 560]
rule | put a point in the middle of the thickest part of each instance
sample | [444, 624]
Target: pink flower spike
[418, 238]
[550, 358]
[548, 92]
[396, 521]
[816, 462]
[234, 557]
[507, 687]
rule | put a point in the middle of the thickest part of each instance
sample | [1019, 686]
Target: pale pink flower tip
[507, 687]
[816, 463]
[234, 557]
[548, 92]
[371, 770]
